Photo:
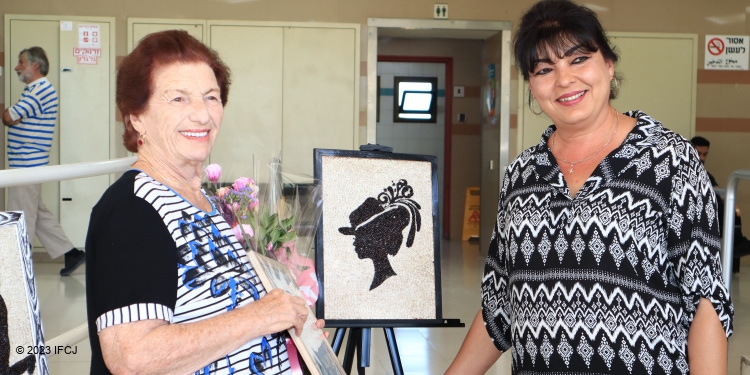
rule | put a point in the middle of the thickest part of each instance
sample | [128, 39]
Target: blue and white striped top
[29, 142]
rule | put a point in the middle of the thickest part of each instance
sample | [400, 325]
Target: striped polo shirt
[30, 141]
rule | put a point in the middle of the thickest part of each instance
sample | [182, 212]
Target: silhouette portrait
[378, 224]
[378, 242]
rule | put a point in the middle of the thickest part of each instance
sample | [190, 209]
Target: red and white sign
[727, 52]
[87, 56]
[95, 52]
[88, 60]
[89, 36]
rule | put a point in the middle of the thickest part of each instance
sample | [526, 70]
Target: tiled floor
[422, 350]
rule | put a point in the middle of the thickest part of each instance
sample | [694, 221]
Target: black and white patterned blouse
[607, 281]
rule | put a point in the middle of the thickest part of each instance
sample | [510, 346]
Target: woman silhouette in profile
[378, 224]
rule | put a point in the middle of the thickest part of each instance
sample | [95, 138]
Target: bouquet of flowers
[268, 224]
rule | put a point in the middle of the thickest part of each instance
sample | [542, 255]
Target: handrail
[37, 175]
[727, 240]
[49, 173]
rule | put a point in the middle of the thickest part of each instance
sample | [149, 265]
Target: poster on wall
[89, 44]
[727, 52]
[491, 90]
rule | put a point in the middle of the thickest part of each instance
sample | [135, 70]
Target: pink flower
[222, 192]
[240, 231]
[213, 172]
[242, 183]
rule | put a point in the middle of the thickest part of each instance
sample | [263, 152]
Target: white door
[321, 93]
[86, 116]
[251, 131]
[21, 34]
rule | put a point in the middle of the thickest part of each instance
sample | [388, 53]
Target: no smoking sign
[715, 46]
[727, 52]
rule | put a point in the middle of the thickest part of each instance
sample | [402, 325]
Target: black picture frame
[396, 186]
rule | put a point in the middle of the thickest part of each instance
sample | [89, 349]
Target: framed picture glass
[377, 255]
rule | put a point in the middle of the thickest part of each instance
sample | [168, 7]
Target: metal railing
[37, 175]
[727, 240]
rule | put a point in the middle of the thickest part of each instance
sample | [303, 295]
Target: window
[415, 99]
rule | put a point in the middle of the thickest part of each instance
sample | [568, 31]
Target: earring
[531, 105]
[140, 139]
[614, 85]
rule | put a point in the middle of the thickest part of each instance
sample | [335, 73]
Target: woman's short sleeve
[695, 239]
[131, 261]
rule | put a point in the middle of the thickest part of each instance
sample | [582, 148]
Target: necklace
[165, 178]
[574, 163]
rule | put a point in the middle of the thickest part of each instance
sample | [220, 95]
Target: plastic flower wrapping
[279, 222]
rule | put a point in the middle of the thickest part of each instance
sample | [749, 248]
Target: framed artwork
[21, 335]
[377, 246]
[312, 345]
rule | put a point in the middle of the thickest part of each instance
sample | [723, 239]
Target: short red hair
[135, 74]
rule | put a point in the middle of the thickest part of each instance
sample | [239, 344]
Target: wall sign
[89, 44]
[727, 52]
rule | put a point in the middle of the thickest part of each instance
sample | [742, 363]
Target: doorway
[494, 125]
[419, 137]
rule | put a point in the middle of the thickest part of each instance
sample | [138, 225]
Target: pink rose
[240, 231]
[213, 172]
[242, 183]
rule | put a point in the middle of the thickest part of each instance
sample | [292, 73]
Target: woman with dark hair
[378, 224]
[605, 253]
[168, 286]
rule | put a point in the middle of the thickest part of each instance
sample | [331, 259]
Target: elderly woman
[604, 257]
[168, 287]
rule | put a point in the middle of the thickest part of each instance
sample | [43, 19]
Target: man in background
[31, 124]
[741, 243]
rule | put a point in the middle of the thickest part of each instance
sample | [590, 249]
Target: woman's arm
[477, 353]
[158, 347]
[707, 342]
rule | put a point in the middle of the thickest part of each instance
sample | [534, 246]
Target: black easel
[360, 340]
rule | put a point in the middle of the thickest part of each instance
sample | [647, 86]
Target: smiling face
[573, 89]
[183, 115]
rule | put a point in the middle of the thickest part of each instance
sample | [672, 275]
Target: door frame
[447, 126]
[453, 29]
